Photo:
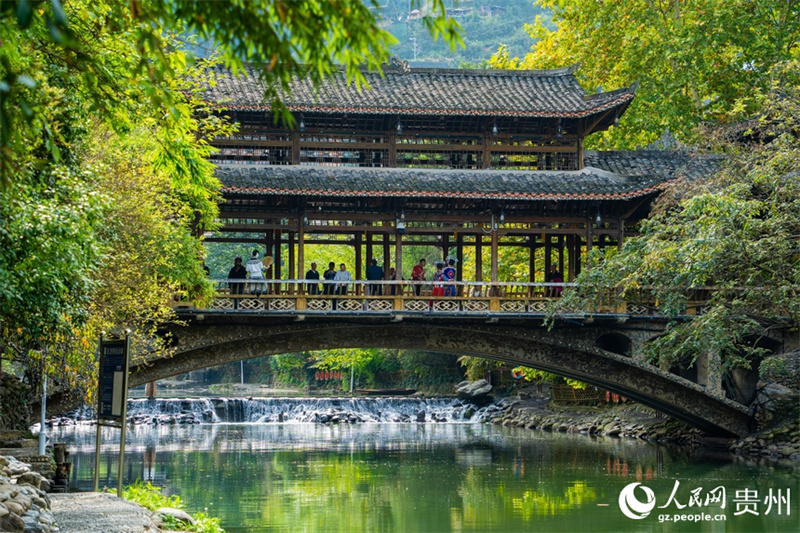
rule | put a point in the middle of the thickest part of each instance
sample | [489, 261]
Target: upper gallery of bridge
[400, 90]
[610, 176]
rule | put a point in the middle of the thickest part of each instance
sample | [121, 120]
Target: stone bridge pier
[602, 353]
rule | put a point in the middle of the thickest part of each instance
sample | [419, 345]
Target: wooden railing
[393, 298]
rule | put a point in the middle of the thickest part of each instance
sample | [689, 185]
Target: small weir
[291, 410]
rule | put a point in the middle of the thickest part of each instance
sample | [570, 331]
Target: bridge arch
[570, 353]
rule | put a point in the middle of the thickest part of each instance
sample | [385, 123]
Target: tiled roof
[587, 184]
[669, 164]
[418, 91]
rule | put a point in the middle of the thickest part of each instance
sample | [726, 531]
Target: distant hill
[486, 25]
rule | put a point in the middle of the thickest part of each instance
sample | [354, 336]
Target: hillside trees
[696, 61]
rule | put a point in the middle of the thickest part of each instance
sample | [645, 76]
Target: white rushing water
[292, 410]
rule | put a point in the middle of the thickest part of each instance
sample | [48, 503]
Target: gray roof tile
[541, 93]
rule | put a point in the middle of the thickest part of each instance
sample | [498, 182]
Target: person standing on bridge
[374, 273]
[328, 275]
[554, 276]
[418, 275]
[449, 274]
[313, 274]
[238, 272]
[342, 277]
[255, 268]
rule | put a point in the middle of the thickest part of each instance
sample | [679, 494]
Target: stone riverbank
[779, 441]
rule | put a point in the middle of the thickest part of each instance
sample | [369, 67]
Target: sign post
[112, 398]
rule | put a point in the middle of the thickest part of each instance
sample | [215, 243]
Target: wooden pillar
[386, 261]
[495, 238]
[459, 256]
[479, 257]
[578, 247]
[589, 237]
[548, 260]
[276, 265]
[398, 253]
[301, 238]
[561, 255]
[532, 258]
[369, 248]
[296, 148]
[569, 275]
[268, 240]
[392, 150]
[621, 234]
[359, 266]
[487, 151]
[291, 270]
[445, 245]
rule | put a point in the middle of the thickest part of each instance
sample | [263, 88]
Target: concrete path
[92, 512]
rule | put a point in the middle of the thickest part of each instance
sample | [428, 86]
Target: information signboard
[112, 398]
[112, 392]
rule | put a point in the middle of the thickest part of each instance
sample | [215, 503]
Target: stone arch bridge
[602, 351]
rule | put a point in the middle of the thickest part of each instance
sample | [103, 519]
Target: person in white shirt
[342, 275]
[255, 271]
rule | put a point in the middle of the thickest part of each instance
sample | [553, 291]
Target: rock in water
[475, 392]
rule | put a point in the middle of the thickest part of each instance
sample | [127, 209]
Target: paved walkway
[92, 512]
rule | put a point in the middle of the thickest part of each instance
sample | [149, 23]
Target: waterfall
[292, 410]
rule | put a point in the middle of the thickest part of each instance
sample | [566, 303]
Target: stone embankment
[778, 441]
[24, 503]
[536, 411]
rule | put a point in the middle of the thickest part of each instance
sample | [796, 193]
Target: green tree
[695, 61]
[737, 232]
[90, 91]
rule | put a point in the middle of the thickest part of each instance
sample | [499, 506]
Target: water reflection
[411, 477]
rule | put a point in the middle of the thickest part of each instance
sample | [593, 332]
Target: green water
[433, 478]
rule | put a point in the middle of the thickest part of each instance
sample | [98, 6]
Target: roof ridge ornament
[395, 63]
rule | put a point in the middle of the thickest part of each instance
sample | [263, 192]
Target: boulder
[33, 479]
[475, 392]
[13, 523]
[177, 514]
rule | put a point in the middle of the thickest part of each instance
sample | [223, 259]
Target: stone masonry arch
[566, 351]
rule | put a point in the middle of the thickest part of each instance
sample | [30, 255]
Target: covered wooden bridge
[467, 161]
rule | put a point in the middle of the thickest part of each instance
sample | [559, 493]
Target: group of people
[443, 278]
[338, 280]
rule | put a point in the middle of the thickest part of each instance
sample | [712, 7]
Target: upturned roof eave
[268, 191]
[620, 101]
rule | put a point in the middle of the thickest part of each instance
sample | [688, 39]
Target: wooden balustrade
[393, 298]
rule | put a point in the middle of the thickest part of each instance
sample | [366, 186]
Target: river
[454, 476]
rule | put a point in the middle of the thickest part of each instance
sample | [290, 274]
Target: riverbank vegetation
[105, 187]
[723, 77]
[151, 498]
